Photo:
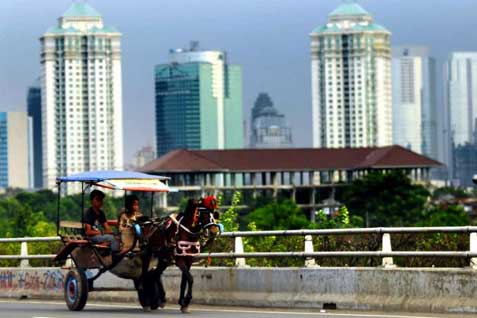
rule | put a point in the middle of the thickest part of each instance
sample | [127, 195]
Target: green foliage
[229, 218]
[285, 215]
[453, 215]
[386, 199]
[457, 193]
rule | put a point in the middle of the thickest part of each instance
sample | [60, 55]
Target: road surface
[10, 308]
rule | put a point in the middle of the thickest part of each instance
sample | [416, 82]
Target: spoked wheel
[76, 289]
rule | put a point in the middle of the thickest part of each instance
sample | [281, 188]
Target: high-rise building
[34, 112]
[269, 128]
[461, 102]
[461, 84]
[143, 156]
[465, 164]
[198, 101]
[14, 150]
[414, 100]
[351, 80]
[81, 95]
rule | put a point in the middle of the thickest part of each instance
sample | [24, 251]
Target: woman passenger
[126, 220]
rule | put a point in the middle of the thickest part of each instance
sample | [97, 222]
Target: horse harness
[183, 247]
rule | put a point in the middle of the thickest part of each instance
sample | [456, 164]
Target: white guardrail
[386, 252]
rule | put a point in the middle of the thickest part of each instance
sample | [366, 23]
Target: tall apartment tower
[351, 80]
[34, 112]
[198, 101]
[414, 100]
[461, 102]
[81, 95]
[269, 129]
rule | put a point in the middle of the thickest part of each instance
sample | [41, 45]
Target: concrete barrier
[425, 290]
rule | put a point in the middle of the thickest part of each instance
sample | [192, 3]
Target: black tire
[76, 289]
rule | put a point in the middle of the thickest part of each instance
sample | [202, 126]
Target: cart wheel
[76, 289]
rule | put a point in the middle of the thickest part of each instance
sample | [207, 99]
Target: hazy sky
[268, 38]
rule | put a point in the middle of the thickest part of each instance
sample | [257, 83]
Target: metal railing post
[24, 252]
[239, 262]
[473, 248]
[386, 247]
[309, 261]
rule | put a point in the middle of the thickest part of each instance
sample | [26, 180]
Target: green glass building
[198, 102]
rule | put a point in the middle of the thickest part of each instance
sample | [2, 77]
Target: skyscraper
[461, 102]
[414, 100]
[351, 80]
[34, 111]
[269, 128]
[198, 101]
[81, 95]
[461, 80]
[14, 150]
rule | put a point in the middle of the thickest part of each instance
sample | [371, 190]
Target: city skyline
[259, 66]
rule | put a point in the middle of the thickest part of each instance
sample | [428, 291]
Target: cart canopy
[121, 180]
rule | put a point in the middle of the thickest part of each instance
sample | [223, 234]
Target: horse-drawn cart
[158, 242]
[87, 256]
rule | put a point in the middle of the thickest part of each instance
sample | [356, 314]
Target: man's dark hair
[96, 194]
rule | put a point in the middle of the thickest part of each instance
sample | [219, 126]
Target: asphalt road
[43, 309]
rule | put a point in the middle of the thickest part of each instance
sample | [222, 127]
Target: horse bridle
[202, 227]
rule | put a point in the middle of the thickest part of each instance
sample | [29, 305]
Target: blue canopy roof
[98, 176]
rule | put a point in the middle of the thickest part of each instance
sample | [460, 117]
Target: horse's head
[200, 215]
[209, 216]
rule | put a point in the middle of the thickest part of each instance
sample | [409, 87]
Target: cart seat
[68, 248]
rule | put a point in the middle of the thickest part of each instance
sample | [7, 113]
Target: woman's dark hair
[130, 199]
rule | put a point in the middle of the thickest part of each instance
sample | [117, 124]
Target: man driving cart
[94, 217]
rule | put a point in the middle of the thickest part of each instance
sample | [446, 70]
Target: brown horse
[175, 239]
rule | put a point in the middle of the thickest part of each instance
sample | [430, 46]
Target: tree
[284, 215]
[453, 215]
[386, 199]
[457, 193]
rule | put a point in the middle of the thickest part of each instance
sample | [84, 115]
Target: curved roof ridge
[347, 8]
[81, 9]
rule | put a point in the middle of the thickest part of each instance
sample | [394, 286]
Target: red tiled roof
[291, 159]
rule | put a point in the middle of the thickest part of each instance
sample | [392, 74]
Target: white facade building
[81, 95]
[351, 80]
[414, 102]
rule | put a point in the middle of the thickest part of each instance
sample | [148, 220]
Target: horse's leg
[186, 281]
[190, 282]
[142, 293]
[160, 296]
[162, 291]
[145, 260]
[180, 263]
[143, 286]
